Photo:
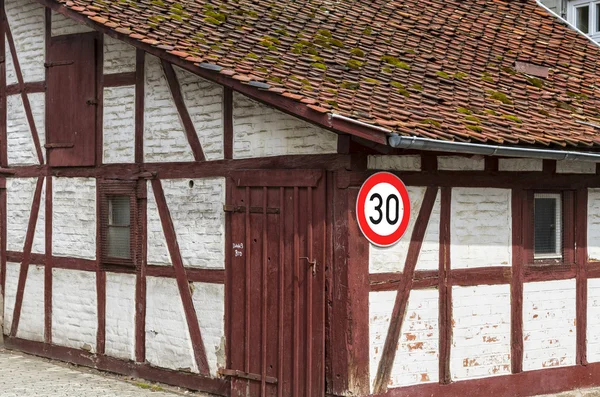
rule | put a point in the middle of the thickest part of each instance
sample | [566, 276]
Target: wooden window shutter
[71, 100]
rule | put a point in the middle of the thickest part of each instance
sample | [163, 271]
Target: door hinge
[91, 102]
[246, 375]
[253, 210]
[59, 145]
[58, 63]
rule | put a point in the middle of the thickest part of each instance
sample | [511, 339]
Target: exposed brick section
[19, 200]
[166, 326]
[21, 150]
[119, 125]
[74, 217]
[63, 25]
[480, 227]
[392, 259]
[204, 102]
[593, 224]
[418, 348]
[118, 56]
[395, 163]
[74, 311]
[120, 315]
[260, 131]
[548, 324]
[26, 20]
[196, 208]
[481, 332]
[164, 137]
[408, 66]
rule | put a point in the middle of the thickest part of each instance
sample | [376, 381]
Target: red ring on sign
[370, 234]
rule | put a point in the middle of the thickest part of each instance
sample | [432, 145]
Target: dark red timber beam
[100, 278]
[391, 342]
[188, 380]
[48, 217]
[581, 257]
[181, 277]
[445, 289]
[188, 124]
[33, 217]
[140, 280]
[99, 70]
[119, 79]
[516, 287]
[48, 264]
[24, 97]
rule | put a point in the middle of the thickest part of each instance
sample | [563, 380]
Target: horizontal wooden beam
[212, 276]
[119, 79]
[207, 169]
[188, 380]
[494, 275]
[28, 88]
[508, 180]
[524, 384]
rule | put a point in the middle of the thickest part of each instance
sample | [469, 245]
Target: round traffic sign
[383, 209]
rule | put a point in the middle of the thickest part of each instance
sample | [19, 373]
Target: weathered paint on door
[277, 284]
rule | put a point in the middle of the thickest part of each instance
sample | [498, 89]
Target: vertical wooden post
[48, 215]
[100, 280]
[444, 287]
[349, 305]
[516, 287]
[581, 276]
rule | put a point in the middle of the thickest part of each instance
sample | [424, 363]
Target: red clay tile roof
[442, 69]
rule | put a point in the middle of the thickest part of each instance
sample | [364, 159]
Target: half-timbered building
[178, 184]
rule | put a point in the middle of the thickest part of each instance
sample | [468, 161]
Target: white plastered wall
[74, 217]
[166, 325]
[593, 321]
[20, 193]
[392, 259]
[120, 315]
[26, 21]
[119, 125]
[31, 321]
[480, 228]
[62, 25]
[74, 309]
[196, 207]
[593, 224]
[549, 324]
[480, 331]
[416, 358]
[261, 131]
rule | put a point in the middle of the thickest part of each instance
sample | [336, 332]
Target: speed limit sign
[383, 209]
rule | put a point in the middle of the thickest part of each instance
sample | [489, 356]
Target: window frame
[558, 234]
[568, 229]
[106, 189]
[594, 31]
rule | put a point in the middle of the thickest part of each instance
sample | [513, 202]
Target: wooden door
[276, 284]
[71, 101]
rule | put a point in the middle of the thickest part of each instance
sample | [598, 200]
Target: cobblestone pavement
[27, 376]
[22, 375]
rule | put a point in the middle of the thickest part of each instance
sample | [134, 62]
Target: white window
[547, 219]
[585, 15]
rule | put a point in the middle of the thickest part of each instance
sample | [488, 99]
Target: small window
[582, 18]
[118, 212]
[547, 226]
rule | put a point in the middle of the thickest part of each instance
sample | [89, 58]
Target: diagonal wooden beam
[188, 125]
[181, 277]
[389, 348]
[33, 217]
[24, 96]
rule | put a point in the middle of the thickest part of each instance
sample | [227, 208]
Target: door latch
[312, 264]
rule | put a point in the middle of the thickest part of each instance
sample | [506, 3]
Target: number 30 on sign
[383, 209]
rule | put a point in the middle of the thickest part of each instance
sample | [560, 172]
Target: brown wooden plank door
[276, 284]
[72, 100]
